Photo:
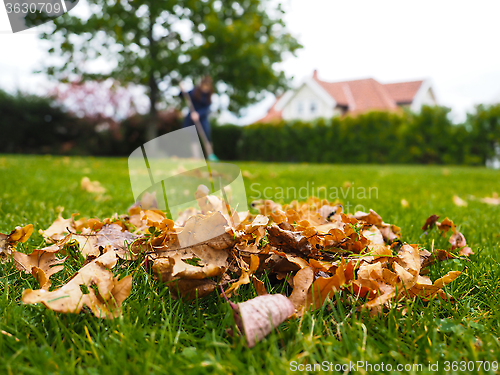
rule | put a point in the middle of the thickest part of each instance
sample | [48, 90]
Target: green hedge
[31, 124]
[428, 137]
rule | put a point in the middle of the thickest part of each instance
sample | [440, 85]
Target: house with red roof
[316, 98]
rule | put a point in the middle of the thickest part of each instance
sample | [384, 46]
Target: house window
[300, 108]
[313, 107]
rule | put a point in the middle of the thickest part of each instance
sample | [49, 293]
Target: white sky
[454, 43]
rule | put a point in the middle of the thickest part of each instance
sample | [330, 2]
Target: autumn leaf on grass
[40, 263]
[113, 238]
[389, 232]
[445, 226]
[427, 258]
[407, 265]
[301, 283]
[457, 239]
[459, 201]
[213, 229]
[378, 284]
[200, 252]
[425, 289]
[259, 286]
[192, 288]
[257, 317]
[59, 228]
[430, 222]
[245, 275]
[9, 241]
[92, 186]
[323, 288]
[493, 200]
[293, 242]
[93, 286]
[257, 228]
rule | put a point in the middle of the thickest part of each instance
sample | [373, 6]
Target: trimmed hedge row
[428, 137]
[38, 125]
[31, 124]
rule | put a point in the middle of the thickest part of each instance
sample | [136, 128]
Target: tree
[156, 43]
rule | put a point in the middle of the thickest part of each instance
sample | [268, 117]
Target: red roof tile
[273, 115]
[403, 92]
[360, 95]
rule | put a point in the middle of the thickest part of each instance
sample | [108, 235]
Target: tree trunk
[152, 129]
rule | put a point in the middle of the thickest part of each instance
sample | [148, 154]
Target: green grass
[160, 335]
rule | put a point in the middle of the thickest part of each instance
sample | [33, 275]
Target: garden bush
[427, 137]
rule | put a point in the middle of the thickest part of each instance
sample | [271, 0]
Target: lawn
[160, 335]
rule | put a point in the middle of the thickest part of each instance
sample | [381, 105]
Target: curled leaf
[260, 315]
[9, 241]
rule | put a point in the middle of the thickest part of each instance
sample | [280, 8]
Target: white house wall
[425, 96]
[299, 107]
[428, 99]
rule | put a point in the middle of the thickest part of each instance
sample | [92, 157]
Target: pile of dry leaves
[314, 246]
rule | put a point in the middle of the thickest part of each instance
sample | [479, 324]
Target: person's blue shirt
[201, 104]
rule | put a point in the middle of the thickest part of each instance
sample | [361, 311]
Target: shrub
[427, 137]
[32, 124]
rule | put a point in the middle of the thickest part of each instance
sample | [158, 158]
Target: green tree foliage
[484, 127]
[156, 43]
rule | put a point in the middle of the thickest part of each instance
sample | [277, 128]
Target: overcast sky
[453, 43]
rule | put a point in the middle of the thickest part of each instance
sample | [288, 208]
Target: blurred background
[294, 81]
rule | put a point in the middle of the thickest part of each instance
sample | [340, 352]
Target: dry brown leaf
[266, 206]
[257, 228]
[301, 283]
[191, 289]
[59, 229]
[245, 275]
[105, 301]
[9, 241]
[92, 186]
[200, 229]
[408, 265]
[437, 255]
[175, 264]
[289, 241]
[260, 315]
[424, 290]
[457, 240]
[445, 226]
[300, 262]
[430, 222]
[112, 238]
[374, 235]
[371, 218]
[278, 216]
[259, 286]
[459, 201]
[493, 200]
[466, 251]
[243, 280]
[324, 287]
[197, 254]
[383, 299]
[43, 261]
